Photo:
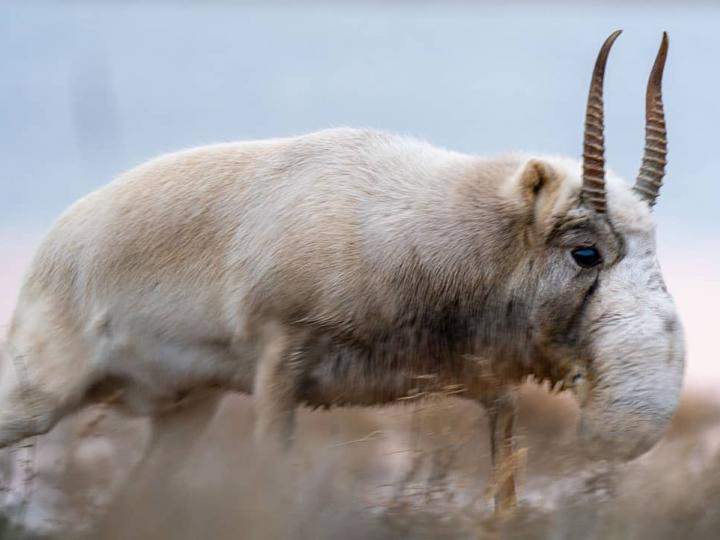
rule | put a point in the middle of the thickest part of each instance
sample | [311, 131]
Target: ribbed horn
[593, 189]
[654, 159]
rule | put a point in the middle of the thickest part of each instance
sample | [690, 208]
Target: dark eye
[587, 257]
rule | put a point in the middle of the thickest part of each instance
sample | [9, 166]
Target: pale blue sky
[88, 90]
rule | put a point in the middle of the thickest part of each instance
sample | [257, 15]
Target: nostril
[670, 324]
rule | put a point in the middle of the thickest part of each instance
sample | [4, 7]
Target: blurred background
[90, 89]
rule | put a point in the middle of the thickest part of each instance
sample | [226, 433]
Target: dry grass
[416, 471]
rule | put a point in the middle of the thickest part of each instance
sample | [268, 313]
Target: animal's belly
[355, 376]
[150, 372]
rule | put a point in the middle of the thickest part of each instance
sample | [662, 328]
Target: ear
[535, 190]
[537, 181]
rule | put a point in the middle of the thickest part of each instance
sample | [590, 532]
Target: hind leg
[32, 397]
[25, 410]
[32, 400]
[175, 433]
[274, 388]
[45, 368]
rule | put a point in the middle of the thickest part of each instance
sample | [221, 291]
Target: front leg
[275, 387]
[501, 420]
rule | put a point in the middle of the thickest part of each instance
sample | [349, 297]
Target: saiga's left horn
[593, 188]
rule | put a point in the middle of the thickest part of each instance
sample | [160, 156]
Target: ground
[416, 471]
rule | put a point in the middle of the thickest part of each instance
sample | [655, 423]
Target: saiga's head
[602, 318]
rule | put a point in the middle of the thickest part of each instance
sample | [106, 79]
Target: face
[606, 325]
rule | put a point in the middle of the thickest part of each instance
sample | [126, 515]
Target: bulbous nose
[638, 372]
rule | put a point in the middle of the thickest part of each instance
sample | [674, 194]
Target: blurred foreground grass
[417, 471]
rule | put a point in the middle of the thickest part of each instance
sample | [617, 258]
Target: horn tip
[612, 37]
[660, 59]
